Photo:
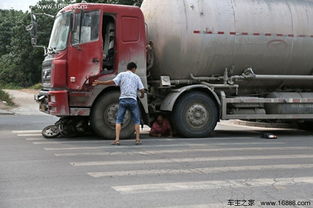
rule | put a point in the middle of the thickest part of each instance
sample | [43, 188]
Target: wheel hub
[197, 115]
[52, 131]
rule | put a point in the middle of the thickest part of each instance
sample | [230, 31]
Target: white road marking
[162, 145]
[194, 159]
[29, 135]
[35, 139]
[70, 154]
[167, 140]
[197, 170]
[206, 139]
[26, 131]
[152, 152]
[205, 185]
[254, 128]
[71, 142]
[78, 148]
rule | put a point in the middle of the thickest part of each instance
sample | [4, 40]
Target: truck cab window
[60, 31]
[87, 27]
[108, 34]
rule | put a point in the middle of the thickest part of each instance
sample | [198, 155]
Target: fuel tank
[204, 37]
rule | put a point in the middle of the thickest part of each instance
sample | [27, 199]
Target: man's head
[160, 119]
[131, 66]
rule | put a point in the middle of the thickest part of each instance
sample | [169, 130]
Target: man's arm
[140, 87]
[98, 82]
[142, 91]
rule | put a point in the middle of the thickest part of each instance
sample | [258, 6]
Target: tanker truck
[201, 61]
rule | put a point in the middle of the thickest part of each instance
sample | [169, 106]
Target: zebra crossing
[200, 185]
[188, 160]
[210, 157]
[198, 170]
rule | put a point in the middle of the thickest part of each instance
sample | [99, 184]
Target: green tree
[17, 60]
[20, 63]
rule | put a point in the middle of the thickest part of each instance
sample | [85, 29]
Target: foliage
[37, 86]
[10, 86]
[20, 63]
[5, 97]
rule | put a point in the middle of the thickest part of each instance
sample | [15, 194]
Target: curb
[263, 124]
[5, 112]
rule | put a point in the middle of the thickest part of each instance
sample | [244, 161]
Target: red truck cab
[88, 42]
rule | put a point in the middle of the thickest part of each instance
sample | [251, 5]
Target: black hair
[131, 65]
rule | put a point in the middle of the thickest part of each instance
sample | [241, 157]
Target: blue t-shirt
[129, 83]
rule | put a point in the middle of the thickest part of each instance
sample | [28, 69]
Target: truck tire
[195, 115]
[103, 117]
[306, 125]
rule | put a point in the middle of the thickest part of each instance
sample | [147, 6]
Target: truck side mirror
[34, 18]
[34, 41]
[32, 28]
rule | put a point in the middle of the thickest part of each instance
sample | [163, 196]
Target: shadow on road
[225, 134]
[245, 133]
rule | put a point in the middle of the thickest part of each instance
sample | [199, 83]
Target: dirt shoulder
[6, 104]
[24, 100]
[30, 91]
[5, 107]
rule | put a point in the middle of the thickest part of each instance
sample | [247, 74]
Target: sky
[17, 4]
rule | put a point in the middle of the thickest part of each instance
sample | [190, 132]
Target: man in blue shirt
[129, 84]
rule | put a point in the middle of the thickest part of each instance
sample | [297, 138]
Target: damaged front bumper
[53, 102]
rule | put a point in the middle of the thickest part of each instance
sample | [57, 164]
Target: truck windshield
[60, 31]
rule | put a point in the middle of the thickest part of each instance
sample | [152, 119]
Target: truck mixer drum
[204, 37]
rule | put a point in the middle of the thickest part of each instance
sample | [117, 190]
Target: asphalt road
[234, 164]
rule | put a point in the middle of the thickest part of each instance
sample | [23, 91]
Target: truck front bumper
[53, 102]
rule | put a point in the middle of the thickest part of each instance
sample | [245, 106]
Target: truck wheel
[103, 117]
[195, 115]
[307, 125]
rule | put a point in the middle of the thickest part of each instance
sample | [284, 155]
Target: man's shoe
[116, 143]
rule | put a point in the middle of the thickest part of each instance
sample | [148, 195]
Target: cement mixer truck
[201, 61]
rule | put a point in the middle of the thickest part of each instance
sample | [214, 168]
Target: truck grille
[46, 73]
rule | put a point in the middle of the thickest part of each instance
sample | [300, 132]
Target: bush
[9, 86]
[6, 97]
[36, 86]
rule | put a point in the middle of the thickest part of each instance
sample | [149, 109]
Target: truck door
[85, 50]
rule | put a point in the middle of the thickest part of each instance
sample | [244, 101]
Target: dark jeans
[131, 105]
